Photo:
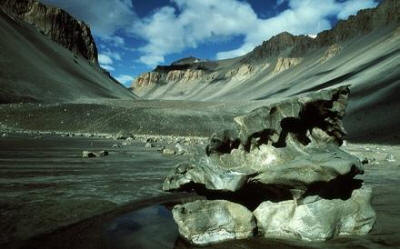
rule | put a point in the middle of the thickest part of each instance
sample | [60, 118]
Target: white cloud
[151, 60]
[116, 41]
[106, 52]
[104, 16]
[105, 59]
[351, 7]
[125, 79]
[106, 62]
[170, 30]
[107, 67]
[189, 23]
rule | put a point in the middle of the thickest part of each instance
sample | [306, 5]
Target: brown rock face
[55, 23]
[280, 43]
[387, 13]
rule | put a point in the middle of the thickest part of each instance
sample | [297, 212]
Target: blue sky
[133, 36]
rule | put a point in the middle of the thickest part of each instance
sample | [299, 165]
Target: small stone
[390, 158]
[4, 135]
[148, 145]
[180, 149]
[130, 139]
[91, 154]
[168, 152]
[151, 140]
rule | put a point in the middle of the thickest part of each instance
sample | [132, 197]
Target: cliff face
[55, 23]
[281, 53]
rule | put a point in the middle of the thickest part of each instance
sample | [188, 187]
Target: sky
[134, 36]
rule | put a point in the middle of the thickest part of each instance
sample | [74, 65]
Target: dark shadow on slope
[272, 94]
[350, 74]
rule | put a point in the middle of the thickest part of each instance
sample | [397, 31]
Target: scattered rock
[4, 135]
[91, 154]
[151, 140]
[390, 158]
[365, 161]
[130, 139]
[121, 136]
[168, 152]
[160, 149]
[148, 145]
[206, 222]
[180, 149]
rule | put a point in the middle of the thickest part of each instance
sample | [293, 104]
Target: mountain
[48, 56]
[56, 24]
[363, 52]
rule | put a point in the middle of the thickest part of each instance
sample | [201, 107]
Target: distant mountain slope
[56, 24]
[34, 68]
[363, 51]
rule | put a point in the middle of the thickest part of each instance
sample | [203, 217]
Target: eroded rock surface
[293, 143]
[283, 162]
[315, 218]
[215, 221]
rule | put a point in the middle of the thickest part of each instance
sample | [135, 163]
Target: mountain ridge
[285, 51]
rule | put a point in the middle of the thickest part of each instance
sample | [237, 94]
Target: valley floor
[51, 197]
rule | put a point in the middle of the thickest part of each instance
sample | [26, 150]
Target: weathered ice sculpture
[283, 165]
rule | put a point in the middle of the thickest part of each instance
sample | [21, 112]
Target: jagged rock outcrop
[283, 155]
[184, 70]
[284, 64]
[187, 60]
[387, 13]
[55, 23]
[331, 52]
[281, 43]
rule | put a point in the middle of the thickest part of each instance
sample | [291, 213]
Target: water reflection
[151, 227]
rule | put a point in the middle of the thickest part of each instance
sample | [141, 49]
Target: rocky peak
[56, 24]
[387, 13]
[280, 43]
[187, 60]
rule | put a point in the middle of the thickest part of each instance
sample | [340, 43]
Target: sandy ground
[53, 198]
[45, 183]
